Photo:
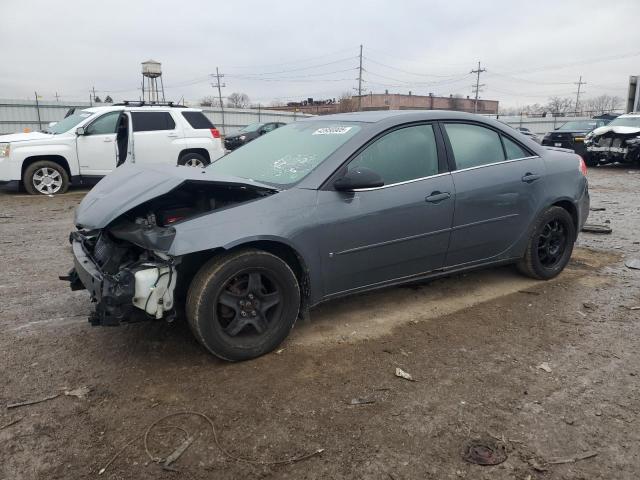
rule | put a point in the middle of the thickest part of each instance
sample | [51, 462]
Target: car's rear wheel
[550, 245]
[193, 160]
[243, 304]
[45, 178]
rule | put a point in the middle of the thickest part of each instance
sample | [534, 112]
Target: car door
[498, 184]
[96, 148]
[401, 229]
[156, 137]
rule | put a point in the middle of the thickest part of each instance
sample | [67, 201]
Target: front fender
[19, 153]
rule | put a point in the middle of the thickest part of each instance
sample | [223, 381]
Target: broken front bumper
[138, 291]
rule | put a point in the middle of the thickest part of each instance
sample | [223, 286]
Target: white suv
[90, 143]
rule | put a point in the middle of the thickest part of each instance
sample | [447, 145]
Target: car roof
[629, 115]
[375, 116]
[128, 108]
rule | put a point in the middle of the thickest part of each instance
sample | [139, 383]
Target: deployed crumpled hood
[22, 137]
[131, 185]
[621, 129]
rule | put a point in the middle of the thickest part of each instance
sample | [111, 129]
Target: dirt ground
[473, 343]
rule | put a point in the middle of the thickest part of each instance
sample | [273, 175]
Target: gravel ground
[473, 344]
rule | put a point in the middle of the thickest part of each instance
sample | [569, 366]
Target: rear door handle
[172, 135]
[437, 197]
[530, 177]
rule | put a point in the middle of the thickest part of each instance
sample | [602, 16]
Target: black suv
[248, 133]
[571, 134]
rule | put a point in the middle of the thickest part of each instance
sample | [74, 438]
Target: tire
[45, 178]
[193, 160]
[215, 310]
[550, 245]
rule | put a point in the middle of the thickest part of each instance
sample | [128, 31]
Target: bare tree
[559, 105]
[602, 104]
[209, 101]
[108, 99]
[346, 103]
[238, 100]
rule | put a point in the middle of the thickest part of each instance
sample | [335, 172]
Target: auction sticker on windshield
[332, 131]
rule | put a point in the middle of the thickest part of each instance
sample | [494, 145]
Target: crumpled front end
[127, 282]
[612, 146]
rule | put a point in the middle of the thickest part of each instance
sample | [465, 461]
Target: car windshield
[251, 128]
[68, 123]
[288, 154]
[579, 126]
[625, 122]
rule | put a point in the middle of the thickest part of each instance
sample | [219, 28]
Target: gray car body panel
[353, 241]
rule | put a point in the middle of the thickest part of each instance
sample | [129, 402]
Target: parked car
[322, 208]
[619, 141]
[248, 133]
[90, 143]
[529, 133]
[571, 134]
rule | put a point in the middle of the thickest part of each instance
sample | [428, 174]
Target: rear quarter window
[473, 145]
[197, 120]
[151, 121]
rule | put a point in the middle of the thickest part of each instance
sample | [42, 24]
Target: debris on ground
[166, 462]
[80, 392]
[589, 305]
[537, 465]
[12, 422]
[361, 401]
[529, 292]
[632, 308]
[597, 209]
[485, 452]
[402, 374]
[33, 402]
[633, 263]
[573, 459]
[544, 366]
[593, 228]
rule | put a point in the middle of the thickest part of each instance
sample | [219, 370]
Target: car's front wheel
[45, 178]
[550, 245]
[243, 304]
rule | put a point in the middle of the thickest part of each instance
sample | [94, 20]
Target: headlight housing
[4, 149]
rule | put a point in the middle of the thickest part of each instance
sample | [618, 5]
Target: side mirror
[80, 131]
[52, 124]
[360, 177]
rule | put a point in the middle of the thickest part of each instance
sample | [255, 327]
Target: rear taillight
[215, 133]
[582, 166]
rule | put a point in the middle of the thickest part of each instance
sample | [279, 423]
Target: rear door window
[513, 150]
[197, 120]
[152, 121]
[473, 145]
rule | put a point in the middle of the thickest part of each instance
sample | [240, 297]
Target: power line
[293, 61]
[409, 72]
[477, 87]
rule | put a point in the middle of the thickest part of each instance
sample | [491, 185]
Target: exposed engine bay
[613, 144]
[125, 266]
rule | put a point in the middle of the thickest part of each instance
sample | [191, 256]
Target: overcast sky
[290, 50]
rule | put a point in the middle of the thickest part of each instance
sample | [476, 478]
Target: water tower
[151, 72]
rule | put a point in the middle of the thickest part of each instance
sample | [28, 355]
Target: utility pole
[360, 82]
[93, 90]
[57, 97]
[579, 83]
[476, 89]
[219, 86]
[38, 110]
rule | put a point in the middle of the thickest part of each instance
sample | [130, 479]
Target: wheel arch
[200, 151]
[59, 159]
[571, 208]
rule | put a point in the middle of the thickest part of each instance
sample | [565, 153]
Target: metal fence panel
[18, 115]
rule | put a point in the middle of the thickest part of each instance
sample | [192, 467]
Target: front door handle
[172, 135]
[437, 197]
[107, 140]
[530, 177]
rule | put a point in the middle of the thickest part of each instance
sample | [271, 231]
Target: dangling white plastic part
[154, 287]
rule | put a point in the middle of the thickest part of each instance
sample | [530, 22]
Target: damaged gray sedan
[318, 209]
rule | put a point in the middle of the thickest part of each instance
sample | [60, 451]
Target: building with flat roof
[391, 101]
